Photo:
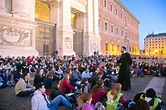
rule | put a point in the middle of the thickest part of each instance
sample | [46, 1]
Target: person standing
[124, 72]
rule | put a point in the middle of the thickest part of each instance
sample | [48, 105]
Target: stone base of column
[3, 10]
[65, 41]
[17, 51]
[17, 37]
[91, 43]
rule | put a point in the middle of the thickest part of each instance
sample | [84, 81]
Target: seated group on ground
[69, 80]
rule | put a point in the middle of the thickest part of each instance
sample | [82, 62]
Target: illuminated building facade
[39, 27]
[155, 44]
[118, 26]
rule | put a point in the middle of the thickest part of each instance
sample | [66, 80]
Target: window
[116, 12]
[45, 49]
[117, 30]
[121, 15]
[110, 7]
[99, 21]
[106, 45]
[105, 3]
[129, 49]
[122, 32]
[106, 26]
[112, 28]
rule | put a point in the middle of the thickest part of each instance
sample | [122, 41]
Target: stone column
[24, 8]
[96, 17]
[65, 30]
[92, 41]
[96, 27]
[89, 17]
[2, 6]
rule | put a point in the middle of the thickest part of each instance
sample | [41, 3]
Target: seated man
[40, 101]
[23, 87]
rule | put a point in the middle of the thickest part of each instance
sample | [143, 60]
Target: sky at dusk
[150, 13]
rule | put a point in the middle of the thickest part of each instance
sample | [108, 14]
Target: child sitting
[114, 97]
[154, 101]
[85, 87]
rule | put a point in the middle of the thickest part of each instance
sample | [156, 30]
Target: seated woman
[2, 84]
[85, 86]
[98, 92]
[55, 92]
[154, 102]
[39, 101]
[48, 82]
[6, 76]
[84, 102]
[114, 97]
[39, 76]
[18, 75]
[65, 85]
[23, 87]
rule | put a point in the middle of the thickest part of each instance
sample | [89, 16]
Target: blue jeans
[59, 99]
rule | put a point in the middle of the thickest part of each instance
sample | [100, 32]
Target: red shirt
[97, 95]
[66, 85]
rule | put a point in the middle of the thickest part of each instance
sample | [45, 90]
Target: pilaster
[65, 30]
[91, 39]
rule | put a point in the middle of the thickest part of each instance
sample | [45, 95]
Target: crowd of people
[82, 82]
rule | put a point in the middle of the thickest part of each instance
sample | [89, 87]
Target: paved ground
[8, 100]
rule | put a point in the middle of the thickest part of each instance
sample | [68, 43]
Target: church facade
[39, 27]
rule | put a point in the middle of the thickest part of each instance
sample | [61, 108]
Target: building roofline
[155, 35]
[127, 10]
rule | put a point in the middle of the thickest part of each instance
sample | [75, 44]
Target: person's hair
[124, 47]
[98, 85]
[68, 70]
[141, 104]
[151, 93]
[65, 77]
[84, 80]
[39, 85]
[116, 90]
[38, 72]
[100, 73]
[25, 74]
[54, 86]
[49, 75]
[83, 98]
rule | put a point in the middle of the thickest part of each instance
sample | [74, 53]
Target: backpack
[138, 96]
[99, 106]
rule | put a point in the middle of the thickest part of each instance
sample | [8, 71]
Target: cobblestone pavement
[8, 100]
